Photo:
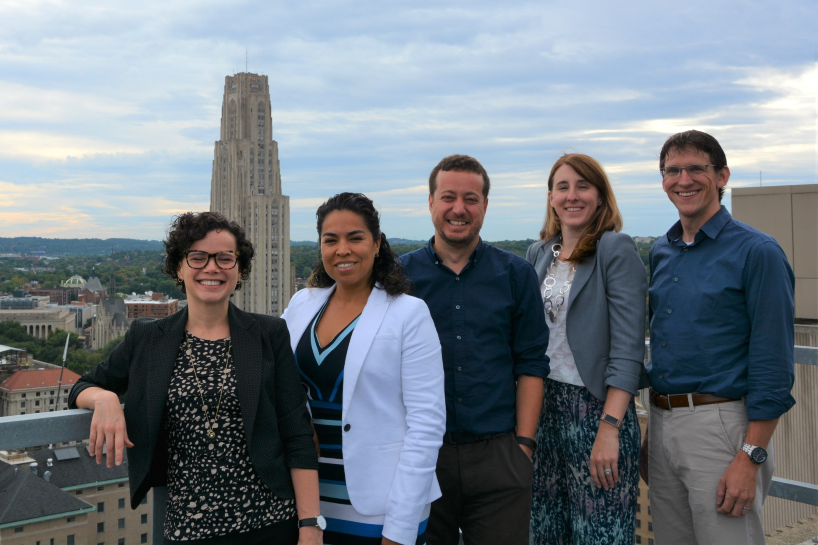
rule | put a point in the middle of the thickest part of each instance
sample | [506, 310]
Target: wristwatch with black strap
[319, 521]
[528, 442]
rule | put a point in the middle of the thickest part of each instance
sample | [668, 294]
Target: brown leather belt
[674, 401]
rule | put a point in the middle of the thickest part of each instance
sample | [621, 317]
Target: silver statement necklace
[553, 301]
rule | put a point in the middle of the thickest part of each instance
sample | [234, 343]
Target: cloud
[111, 110]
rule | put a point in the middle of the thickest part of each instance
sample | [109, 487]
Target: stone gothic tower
[246, 187]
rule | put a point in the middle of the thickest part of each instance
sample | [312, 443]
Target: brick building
[32, 391]
[150, 305]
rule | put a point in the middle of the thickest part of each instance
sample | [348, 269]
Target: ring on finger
[607, 471]
[745, 508]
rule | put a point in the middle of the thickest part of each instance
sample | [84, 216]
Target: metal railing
[19, 432]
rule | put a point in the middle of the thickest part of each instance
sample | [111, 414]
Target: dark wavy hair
[190, 227]
[386, 269]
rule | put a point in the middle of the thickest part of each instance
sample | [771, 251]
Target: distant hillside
[75, 246]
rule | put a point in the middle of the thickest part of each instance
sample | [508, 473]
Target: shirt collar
[473, 258]
[711, 228]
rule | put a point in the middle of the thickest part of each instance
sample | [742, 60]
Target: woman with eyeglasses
[215, 409]
[593, 283]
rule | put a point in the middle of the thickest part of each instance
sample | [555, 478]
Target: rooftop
[36, 379]
[24, 496]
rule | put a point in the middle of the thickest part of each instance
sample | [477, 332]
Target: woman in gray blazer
[593, 283]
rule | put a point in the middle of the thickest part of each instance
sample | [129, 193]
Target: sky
[109, 110]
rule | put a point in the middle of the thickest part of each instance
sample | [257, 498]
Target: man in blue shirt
[722, 336]
[488, 311]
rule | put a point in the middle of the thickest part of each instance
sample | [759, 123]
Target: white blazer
[393, 404]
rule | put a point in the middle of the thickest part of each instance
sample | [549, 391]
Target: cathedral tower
[246, 187]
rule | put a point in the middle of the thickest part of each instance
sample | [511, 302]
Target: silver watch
[757, 454]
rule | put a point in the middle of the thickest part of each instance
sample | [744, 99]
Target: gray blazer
[606, 313]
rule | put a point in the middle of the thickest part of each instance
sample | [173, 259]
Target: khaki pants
[690, 449]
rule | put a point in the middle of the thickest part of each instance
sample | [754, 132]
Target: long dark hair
[386, 270]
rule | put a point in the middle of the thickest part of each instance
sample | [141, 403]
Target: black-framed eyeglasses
[196, 259]
[692, 170]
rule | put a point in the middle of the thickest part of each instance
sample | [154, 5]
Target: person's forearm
[616, 403]
[529, 405]
[305, 483]
[759, 432]
[87, 398]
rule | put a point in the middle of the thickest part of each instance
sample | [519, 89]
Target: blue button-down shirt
[722, 316]
[492, 329]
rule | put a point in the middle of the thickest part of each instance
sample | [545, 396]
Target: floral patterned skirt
[567, 506]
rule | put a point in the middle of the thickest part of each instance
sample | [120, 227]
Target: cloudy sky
[109, 110]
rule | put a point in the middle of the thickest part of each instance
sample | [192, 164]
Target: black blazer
[273, 402]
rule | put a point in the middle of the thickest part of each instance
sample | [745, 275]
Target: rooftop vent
[47, 476]
[50, 462]
[33, 467]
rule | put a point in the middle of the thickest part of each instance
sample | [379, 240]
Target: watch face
[759, 455]
[322, 522]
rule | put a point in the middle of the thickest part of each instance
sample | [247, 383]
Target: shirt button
[675, 279]
[458, 337]
[347, 427]
[457, 278]
[686, 248]
[459, 399]
[661, 376]
[459, 369]
[436, 263]
[669, 311]
[457, 307]
[664, 344]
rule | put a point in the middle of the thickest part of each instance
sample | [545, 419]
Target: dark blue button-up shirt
[722, 316]
[492, 329]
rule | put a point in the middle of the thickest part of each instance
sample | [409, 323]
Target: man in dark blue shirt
[488, 311]
[722, 336]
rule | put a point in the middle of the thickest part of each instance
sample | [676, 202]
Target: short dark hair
[695, 140]
[190, 227]
[460, 163]
[386, 269]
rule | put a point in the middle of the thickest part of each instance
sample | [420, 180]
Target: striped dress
[322, 372]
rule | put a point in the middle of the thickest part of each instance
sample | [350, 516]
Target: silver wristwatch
[757, 454]
[318, 521]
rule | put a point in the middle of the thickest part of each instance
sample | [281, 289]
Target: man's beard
[459, 242]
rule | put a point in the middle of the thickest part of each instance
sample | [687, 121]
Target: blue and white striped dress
[322, 372]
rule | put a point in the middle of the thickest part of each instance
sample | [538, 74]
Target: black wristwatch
[530, 443]
[757, 454]
[319, 521]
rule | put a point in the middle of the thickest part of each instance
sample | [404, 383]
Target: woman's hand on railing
[108, 428]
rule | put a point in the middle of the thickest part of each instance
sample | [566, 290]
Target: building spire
[112, 284]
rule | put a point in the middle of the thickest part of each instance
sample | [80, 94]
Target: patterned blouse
[213, 489]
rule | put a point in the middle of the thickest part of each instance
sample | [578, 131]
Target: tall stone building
[246, 187]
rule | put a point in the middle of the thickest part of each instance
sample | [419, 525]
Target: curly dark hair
[386, 270]
[190, 227]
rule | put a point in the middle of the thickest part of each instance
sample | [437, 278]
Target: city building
[246, 187]
[30, 391]
[111, 320]
[75, 281]
[789, 213]
[58, 296]
[41, 322]
[150, 305]
[62, 492]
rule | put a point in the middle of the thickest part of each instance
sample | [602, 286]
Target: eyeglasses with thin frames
[692, 171]
[197, 259]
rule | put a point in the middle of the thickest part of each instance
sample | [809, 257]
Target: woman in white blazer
[370, 359]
